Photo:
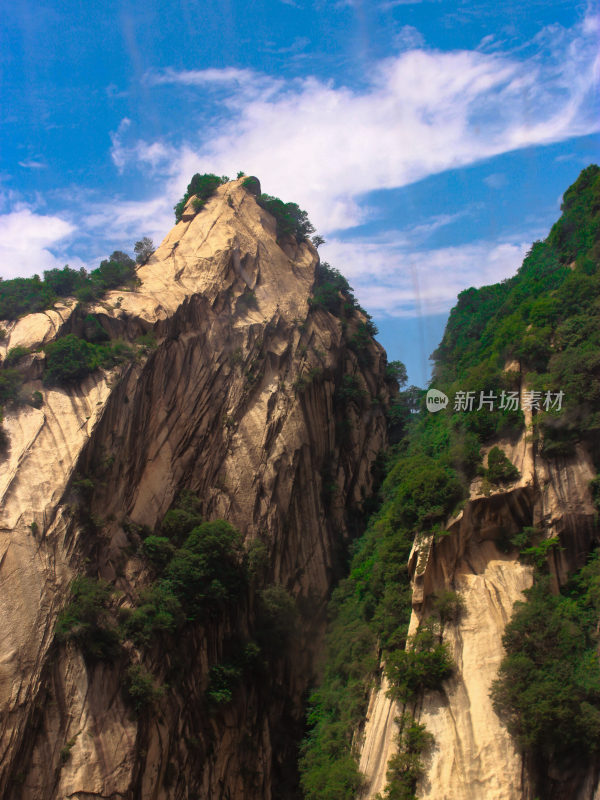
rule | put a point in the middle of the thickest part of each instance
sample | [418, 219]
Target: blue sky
[429, 141]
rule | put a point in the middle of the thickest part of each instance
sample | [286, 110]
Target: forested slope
[451, 493]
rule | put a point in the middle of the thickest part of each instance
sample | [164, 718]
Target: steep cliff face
[470, 661]
[237, 403]
[473, 755]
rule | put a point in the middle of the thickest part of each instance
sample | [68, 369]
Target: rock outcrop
[473, 756]
[237, 403]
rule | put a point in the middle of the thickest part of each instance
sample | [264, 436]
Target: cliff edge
[238, 401]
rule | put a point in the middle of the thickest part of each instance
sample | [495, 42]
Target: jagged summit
[231, 245]
[249, 393]
[217, 249]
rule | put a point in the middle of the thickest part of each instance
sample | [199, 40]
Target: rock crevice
[235, 403]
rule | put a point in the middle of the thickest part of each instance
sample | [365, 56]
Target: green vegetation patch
[290, 218]
[332, 292]
[20, 296]
[500, 468]
[71, 358]
[224, 678]
[547, 319]
[142, 688]
[199, 579]
[11, 381]
[14, 355]
[202, 187]
[423, 666]
[406, 766]
[87, 621]
[548, 686]
[158, 610]
[207, 573]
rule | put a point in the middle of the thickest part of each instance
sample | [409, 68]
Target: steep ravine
[473, 756]
[238, 404]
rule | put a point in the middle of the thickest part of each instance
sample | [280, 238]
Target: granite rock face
[237, 403]
[473, 756]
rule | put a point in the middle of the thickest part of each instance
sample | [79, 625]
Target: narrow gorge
[241, 560]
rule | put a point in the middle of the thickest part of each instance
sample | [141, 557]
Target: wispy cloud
[419, 233]
[496, 180]
[299, 44]
[113, 91]
[33, 164]
[327, 145]
[198, 77]
[119, 152]
[392, 278]
[388, 5]
[424, 112]
[408, 38]
[250, 84]
[128, 220]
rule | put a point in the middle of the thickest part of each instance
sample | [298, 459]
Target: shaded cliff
[244, 400]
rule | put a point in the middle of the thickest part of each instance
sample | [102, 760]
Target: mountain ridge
[238, 402]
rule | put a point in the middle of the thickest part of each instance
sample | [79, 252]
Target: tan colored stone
[474, 757]
[212, 409]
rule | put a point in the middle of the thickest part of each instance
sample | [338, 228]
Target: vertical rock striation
[237, 403]
[473, 756]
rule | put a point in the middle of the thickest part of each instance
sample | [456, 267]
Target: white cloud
[423, 112]
[155, 155]
[33, 164]
[497, 180]
[419, 233]
[120, 154]
[226, 80]
[408, 38]
[198, 77]
[128, 220]
[391, 278]
[25, 239]
[390, 4]
[326, 146]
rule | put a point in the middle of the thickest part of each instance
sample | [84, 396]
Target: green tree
[290, 218]
[143, 249]
[64, 282]
[86, 619]
[20, 296]
[142, 688]
[69, 359]
[500, 469]
[157, 611]
[202, 187]
[406, 766]
[207, 572]
[548, 686]
[424, 666]
[159, 550]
